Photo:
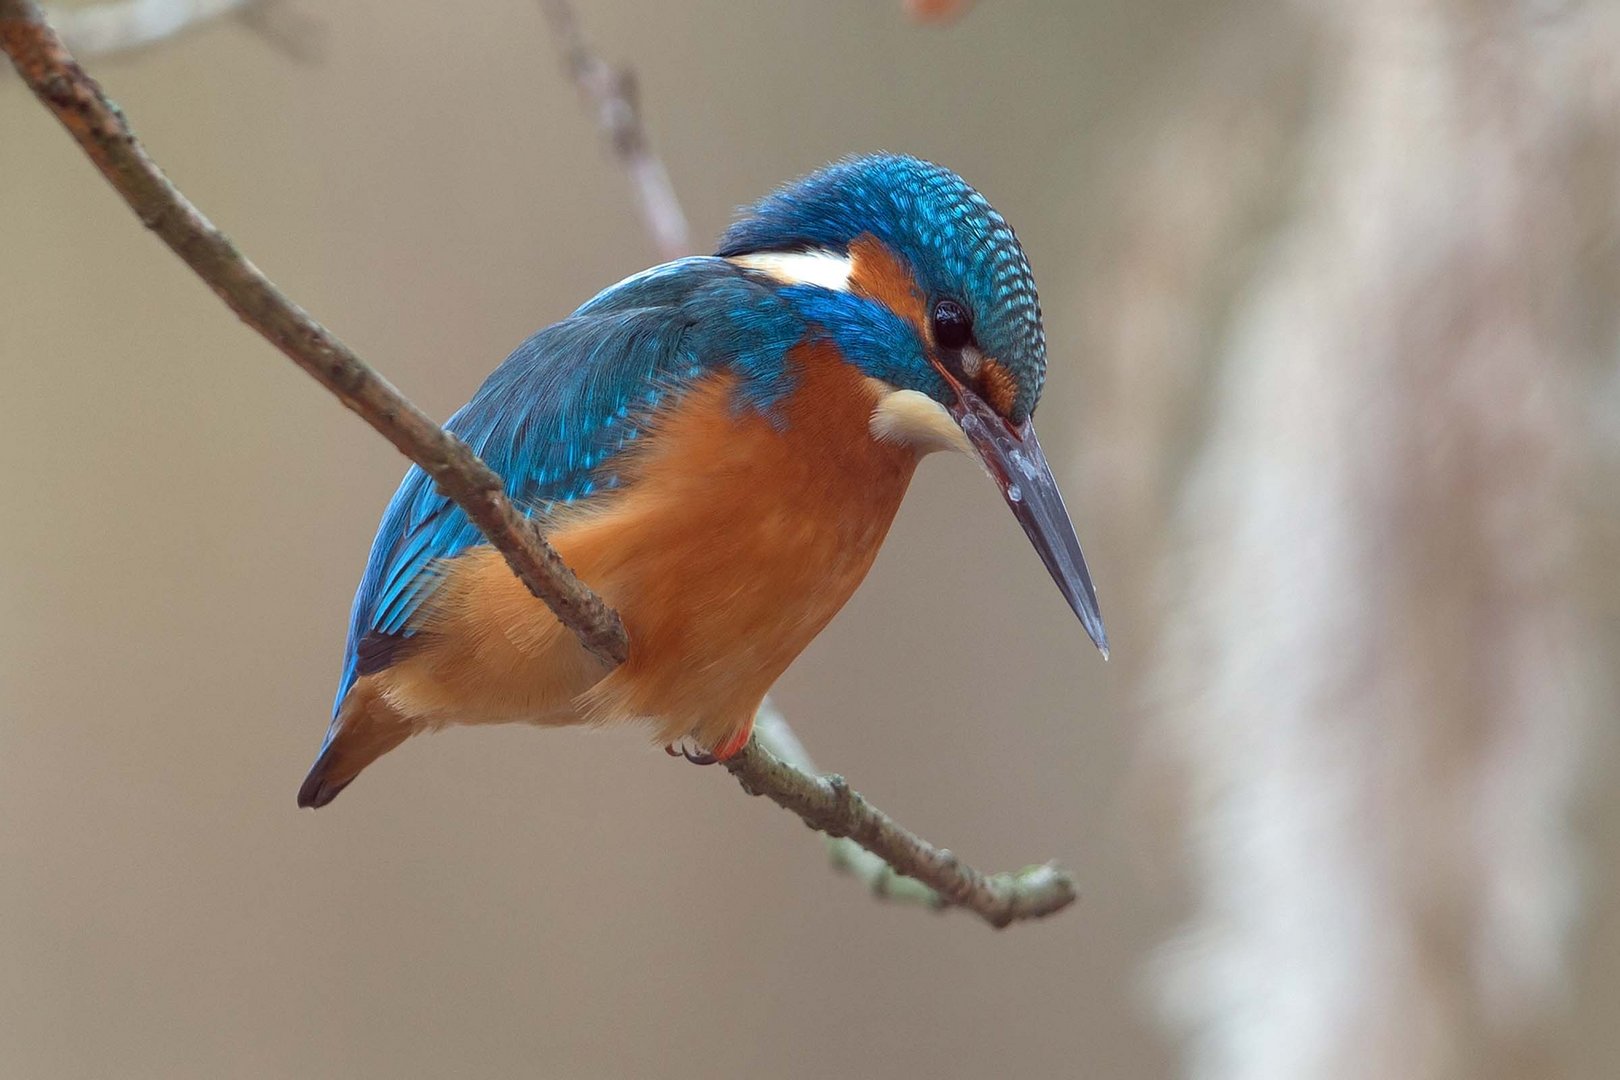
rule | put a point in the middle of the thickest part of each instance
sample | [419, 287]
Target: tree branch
[774, 735]
[828, 804]
[612, 93]
[103, 134]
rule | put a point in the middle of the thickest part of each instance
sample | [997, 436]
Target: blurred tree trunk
[1374, 658]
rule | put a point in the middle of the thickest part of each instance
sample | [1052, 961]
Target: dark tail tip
[318, 788]
[366, 728]
[321, 787]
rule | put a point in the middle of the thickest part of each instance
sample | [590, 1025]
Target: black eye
[952, 327]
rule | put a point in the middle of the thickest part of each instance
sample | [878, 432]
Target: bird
[717, 446]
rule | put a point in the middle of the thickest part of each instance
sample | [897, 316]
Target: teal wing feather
[553, 419]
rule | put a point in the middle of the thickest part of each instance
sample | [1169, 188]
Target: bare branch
[99, 128]
[828, 804]
[102, 133]
[612, 94]
[772, 732]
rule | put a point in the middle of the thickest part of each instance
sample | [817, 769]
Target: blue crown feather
[955, 242]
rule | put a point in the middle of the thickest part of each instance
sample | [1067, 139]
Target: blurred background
[1330, 291]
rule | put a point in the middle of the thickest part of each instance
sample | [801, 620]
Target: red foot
[732, 746]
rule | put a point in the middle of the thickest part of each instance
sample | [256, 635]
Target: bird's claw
[697, 756]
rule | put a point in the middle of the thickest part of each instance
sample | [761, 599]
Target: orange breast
[739, 543]
[733, 543]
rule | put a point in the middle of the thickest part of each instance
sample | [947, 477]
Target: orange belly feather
[730, 545]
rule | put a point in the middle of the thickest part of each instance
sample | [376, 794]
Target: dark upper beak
[1014, 458]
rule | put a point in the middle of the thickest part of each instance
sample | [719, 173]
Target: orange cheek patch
[997, 386]
[878, 274]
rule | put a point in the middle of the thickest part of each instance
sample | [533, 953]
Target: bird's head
[923, 285]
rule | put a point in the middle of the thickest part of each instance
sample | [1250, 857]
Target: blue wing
[553, 417]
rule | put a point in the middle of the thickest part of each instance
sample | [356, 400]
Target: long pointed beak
[1018, 465]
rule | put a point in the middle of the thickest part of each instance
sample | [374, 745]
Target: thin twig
[772, 732]
[102, 133]
[830, 805]
[612, 94]
[100, 130]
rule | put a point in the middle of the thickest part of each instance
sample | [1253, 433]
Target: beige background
[186, 516]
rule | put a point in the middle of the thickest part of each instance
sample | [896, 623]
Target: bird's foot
[691, 752]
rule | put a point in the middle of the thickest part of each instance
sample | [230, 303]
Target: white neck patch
[822, 268]
[912, 418]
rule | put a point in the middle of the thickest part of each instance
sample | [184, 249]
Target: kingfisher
[717, 446]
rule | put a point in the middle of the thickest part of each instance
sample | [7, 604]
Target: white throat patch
[826, 269]
[914, 419]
